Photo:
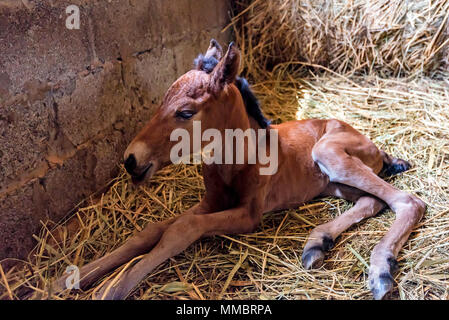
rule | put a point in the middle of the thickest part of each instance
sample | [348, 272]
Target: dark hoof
[381, 286]
[313, 258]
[396, 167]
[392, 262]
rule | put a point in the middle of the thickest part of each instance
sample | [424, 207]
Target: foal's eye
[185, 114]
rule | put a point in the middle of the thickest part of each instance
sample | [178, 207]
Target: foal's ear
[208, 62]
[226, 70]
[214, 50]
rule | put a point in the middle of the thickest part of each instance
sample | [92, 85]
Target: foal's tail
[393, 165]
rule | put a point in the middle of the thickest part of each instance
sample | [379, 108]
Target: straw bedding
[406, 117]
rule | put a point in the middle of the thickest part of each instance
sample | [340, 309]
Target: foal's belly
[298, 179]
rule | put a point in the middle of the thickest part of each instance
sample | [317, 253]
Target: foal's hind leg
[322, 238]
[343, 168]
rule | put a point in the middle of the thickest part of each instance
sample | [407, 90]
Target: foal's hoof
[381, 285]
[381, 281]
[313, 258]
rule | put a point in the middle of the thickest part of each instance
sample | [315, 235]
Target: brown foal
[316, 158]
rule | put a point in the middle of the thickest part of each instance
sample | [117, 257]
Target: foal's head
[207, 94]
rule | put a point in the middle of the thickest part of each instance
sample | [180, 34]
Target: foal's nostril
[130, 163]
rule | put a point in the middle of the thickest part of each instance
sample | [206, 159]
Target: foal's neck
[235, 111]
[236, 117]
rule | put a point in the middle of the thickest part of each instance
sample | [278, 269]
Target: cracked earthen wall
[71, 100]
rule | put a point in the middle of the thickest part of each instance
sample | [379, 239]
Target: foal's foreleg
[138, 244]
[345, 169]
[176, 239]
[322, 238]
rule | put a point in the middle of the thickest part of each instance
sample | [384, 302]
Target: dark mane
[205, 64]
[252, 105]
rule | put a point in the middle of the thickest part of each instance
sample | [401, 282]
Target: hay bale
[389, 38]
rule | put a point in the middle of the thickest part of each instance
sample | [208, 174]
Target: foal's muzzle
[136, 174]
[130, 164]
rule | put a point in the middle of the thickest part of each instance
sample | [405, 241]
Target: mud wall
[71, 100]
